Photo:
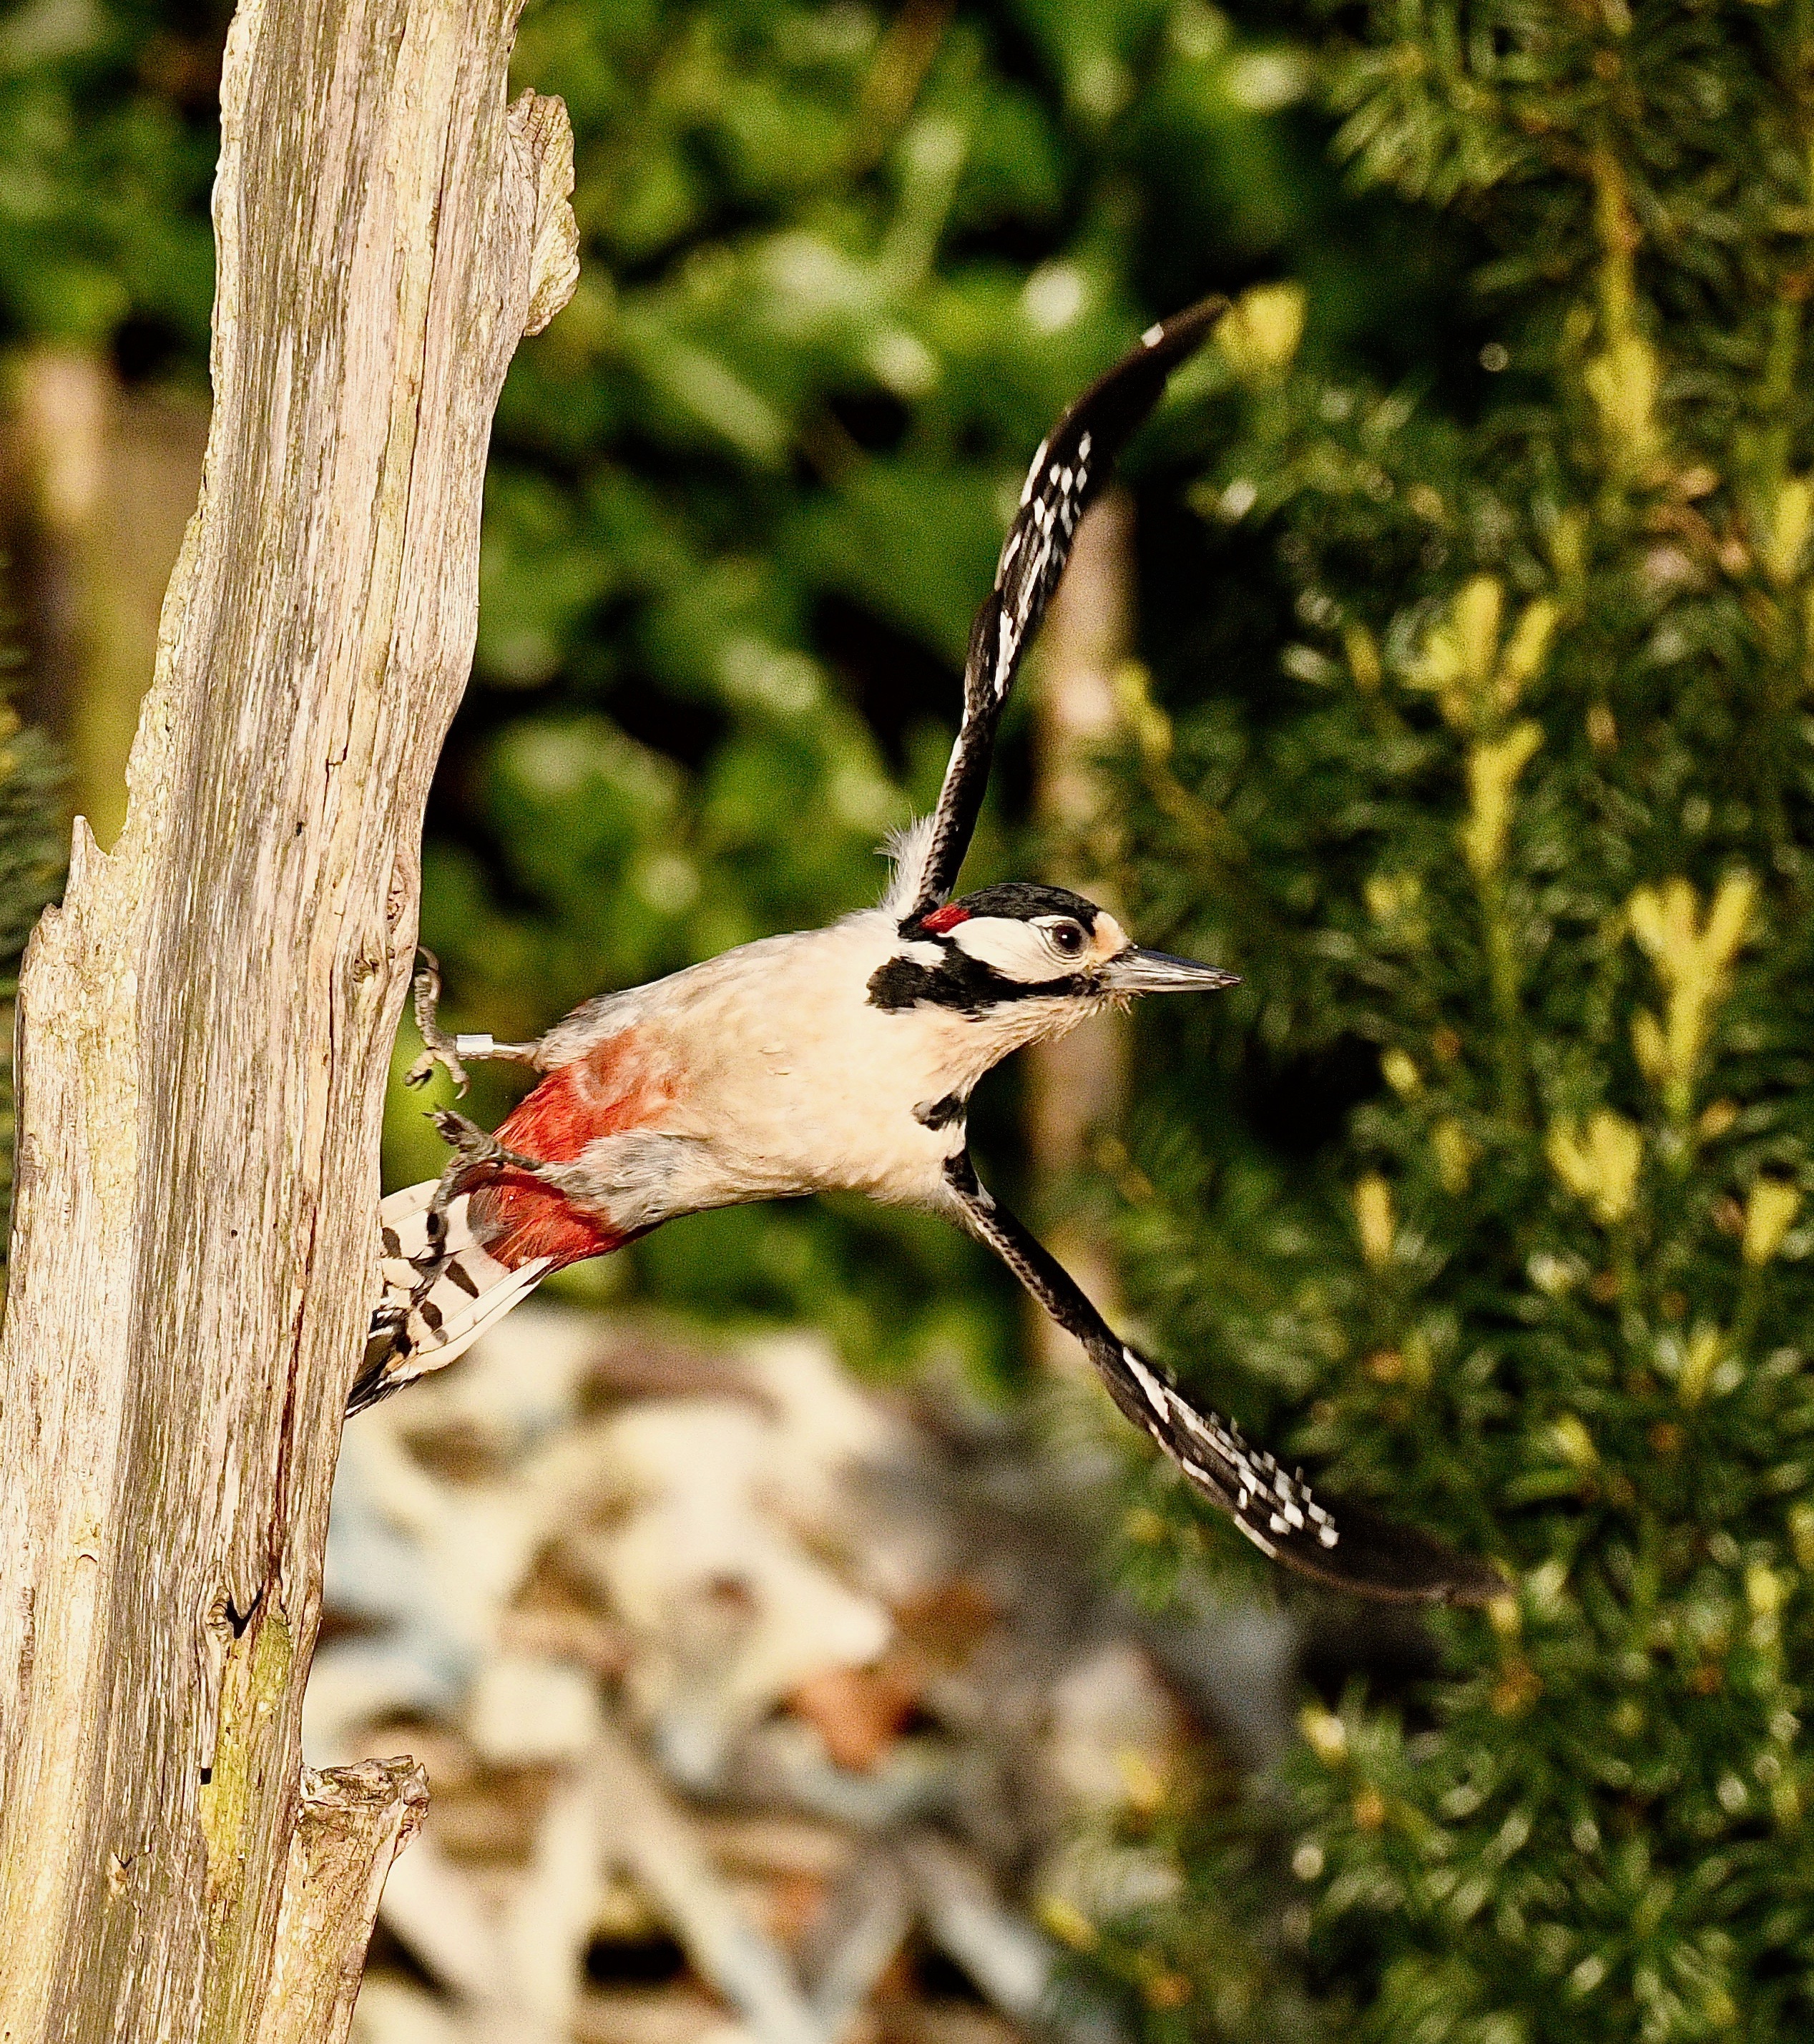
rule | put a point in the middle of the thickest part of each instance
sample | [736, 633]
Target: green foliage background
[1531, 822]
[843, 271]
[1473, 728]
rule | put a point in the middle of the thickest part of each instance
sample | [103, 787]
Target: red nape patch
[946, 918]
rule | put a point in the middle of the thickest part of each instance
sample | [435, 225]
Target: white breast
[785, 1078]
[794, 1081]
[814, 1087]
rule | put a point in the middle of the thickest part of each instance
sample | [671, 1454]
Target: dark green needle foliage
[1514, 845]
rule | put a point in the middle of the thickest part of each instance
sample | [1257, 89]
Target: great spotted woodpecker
[845, 1057]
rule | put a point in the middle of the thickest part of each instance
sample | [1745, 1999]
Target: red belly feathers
[613, 1087]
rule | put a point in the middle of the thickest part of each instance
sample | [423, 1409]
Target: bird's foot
[438, 1046]
[473, 1148]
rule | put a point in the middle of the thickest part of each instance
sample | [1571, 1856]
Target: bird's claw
[473, 1149]
[473, 1146]
[438, 1046]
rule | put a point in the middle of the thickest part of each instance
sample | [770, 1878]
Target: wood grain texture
[206, 1020]
[352, 1823]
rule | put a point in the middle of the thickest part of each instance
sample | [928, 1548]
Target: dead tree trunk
[206, 1024]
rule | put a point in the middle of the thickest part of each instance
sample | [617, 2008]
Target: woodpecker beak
[1136, 971]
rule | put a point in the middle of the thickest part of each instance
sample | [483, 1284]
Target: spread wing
[1073, 463]
[1274, 1508]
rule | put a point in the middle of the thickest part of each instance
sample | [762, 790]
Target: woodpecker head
[1021, 962]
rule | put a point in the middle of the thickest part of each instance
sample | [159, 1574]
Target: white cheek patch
[1016, 950]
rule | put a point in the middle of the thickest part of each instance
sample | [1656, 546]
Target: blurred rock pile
[754, 1705]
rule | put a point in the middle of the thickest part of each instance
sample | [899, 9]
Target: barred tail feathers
[417, 1328]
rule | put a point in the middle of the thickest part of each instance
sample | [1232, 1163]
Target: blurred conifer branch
[1528, 817]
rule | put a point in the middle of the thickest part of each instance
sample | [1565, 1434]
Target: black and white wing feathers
[1073, 463]
[1274, 1508]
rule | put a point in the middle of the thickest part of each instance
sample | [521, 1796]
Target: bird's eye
[1066, 938]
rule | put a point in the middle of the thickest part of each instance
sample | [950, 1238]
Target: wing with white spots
[1274, 1507]
[1071, 467]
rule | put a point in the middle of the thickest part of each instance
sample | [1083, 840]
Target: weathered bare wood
[206, 1019]
[352, 1824]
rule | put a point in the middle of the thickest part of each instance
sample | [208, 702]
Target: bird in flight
[844, 1059]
